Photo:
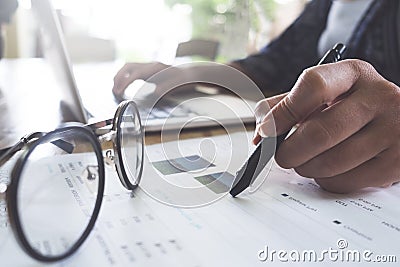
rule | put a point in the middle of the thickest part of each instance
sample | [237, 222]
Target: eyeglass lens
[131, 143]
[57, 193]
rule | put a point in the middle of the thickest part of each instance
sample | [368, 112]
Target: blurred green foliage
[209, 17]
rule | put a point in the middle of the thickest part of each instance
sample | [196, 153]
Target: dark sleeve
[7, 8]
[276, 67]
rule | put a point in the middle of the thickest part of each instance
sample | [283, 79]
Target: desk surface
[288, 212]
[28, 101]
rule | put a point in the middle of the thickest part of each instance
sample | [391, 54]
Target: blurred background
[137, 30]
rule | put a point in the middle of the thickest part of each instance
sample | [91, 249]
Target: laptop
[199, 108]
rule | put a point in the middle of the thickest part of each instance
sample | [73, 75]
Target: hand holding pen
[353, 142]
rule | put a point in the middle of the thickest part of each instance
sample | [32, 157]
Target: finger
[119, 97]
[256, 138]
[123, 78]
[347, 155]
[382, 170]
[317, 86]
[261, 110]
[264, 106]
[324, 130]
[171, 80]
[134, 71]
[171, 86]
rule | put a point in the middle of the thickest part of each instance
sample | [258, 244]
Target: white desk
[28, 101]
[288, 213]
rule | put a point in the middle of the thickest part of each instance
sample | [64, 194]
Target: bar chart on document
[194, 173]
[182, 215]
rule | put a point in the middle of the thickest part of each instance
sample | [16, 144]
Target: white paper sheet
[288, 213]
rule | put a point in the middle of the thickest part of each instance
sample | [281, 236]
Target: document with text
[182, 215]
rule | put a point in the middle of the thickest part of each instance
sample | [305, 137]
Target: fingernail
[266, 128]
[256, 140]
[255, 134]
[256, 137]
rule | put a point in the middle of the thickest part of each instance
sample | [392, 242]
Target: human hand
[349, 126]
[134, 71]
[166, 78]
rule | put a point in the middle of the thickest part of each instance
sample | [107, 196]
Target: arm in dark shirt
[276, 67]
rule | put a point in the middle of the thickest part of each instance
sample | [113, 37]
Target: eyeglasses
[57, 182]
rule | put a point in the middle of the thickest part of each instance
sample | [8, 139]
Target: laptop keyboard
[163, 112]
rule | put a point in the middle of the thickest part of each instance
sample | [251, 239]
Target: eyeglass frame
[10, 193]
[29, 142]
[116, 140]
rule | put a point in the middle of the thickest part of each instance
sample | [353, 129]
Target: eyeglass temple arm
[18, 146]
[98, 125]
[9, 153]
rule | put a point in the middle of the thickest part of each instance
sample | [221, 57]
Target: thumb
[316, 87]
[280, 119]
[262, 109]
[264, 106]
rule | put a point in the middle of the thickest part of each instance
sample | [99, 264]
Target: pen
[266, 147]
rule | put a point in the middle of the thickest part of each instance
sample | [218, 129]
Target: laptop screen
[54, 49]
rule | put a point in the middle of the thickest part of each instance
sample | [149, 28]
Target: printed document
[183, 215]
